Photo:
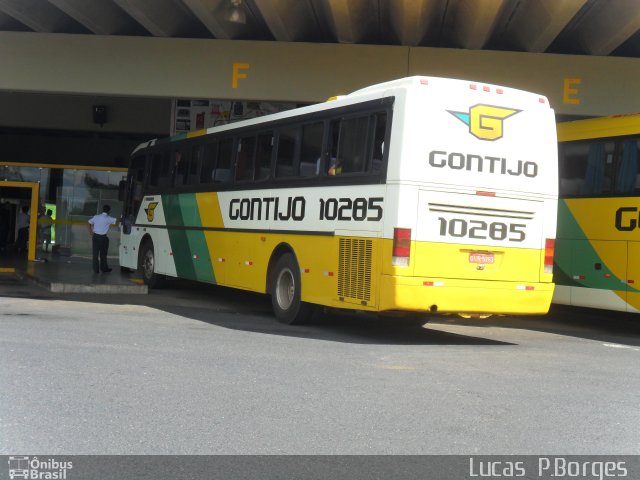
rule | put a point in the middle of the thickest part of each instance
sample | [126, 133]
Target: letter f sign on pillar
[237, 74]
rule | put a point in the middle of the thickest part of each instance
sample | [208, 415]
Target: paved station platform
[71, 274]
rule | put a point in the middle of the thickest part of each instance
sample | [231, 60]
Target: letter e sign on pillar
[570, 91]
[237, 74]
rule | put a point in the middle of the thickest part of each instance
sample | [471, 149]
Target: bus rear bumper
[467, 297]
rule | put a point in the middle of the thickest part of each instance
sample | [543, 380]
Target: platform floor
[71, 274]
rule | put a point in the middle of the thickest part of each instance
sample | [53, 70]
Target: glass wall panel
[82, 195]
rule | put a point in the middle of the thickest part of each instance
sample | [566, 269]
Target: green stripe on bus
[573, 245]
[189, 247]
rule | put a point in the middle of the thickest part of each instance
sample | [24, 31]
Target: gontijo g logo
[485, 121]
[150, 210]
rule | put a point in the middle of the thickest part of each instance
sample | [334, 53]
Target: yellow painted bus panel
[449, 260]
[247, 258]
[209, 208]
[217, 249]
[241, 260]
[597, 217]
[447, 295]
[603, 127]
[633, 276]
[607, 271]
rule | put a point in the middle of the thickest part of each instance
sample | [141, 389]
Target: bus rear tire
[286, 292]
[147, 264]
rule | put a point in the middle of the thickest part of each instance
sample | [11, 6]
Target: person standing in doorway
[98, 228]
[23, 229]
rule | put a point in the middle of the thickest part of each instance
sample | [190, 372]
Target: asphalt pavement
[195, 369]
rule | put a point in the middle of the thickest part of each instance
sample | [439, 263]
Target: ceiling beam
[164, 18]
[607, 25]
[289, 20]
[411, 19]
[11, 24]
[474, 22]
[39, 16]
[101, 18]
[352, 21]
[204, 11]
[535, 24]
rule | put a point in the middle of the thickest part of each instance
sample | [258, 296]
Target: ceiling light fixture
[236, 14]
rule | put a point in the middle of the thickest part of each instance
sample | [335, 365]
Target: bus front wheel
[147, 266]
[286, 292]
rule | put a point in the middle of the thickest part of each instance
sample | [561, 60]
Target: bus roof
[373, 91]
[601, 127]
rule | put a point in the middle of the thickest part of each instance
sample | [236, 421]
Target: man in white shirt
[98, 228]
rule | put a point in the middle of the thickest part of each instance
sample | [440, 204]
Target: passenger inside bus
[335, 168]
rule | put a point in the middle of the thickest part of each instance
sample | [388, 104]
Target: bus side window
[223, 165]
[332, 166]
[245, 159]
[160, 175]
[285, 157]
[137, 174]
[166, 172]
[311, 149]
[380, 131]
[181, 168]
[193, 173]
[134, 189]
[586, 168]
[264, 150]
[637, 184]
[349, 146]
[209, 162]
[627, 168]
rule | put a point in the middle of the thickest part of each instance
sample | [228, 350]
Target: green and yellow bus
[419, 195]
[597, 257]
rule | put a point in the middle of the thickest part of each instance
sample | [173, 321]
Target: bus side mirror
[122, 186]
[127, 223]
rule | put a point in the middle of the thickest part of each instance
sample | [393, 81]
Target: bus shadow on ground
[251, 312]
[248, 311]
[337, 327]
[587, 323]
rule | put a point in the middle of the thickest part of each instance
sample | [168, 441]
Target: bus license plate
[483, 258]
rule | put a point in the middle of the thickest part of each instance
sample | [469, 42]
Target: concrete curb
[60, 287]
[57, 287]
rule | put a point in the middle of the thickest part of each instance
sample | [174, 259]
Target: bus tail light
[549, 246]
[401, 247]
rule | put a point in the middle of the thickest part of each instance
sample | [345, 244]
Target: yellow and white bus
[413, 196]
[597, 260]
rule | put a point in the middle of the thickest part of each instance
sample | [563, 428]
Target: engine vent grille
[354, 276]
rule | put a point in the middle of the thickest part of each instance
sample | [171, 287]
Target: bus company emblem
[485, 121]
[150, 209]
